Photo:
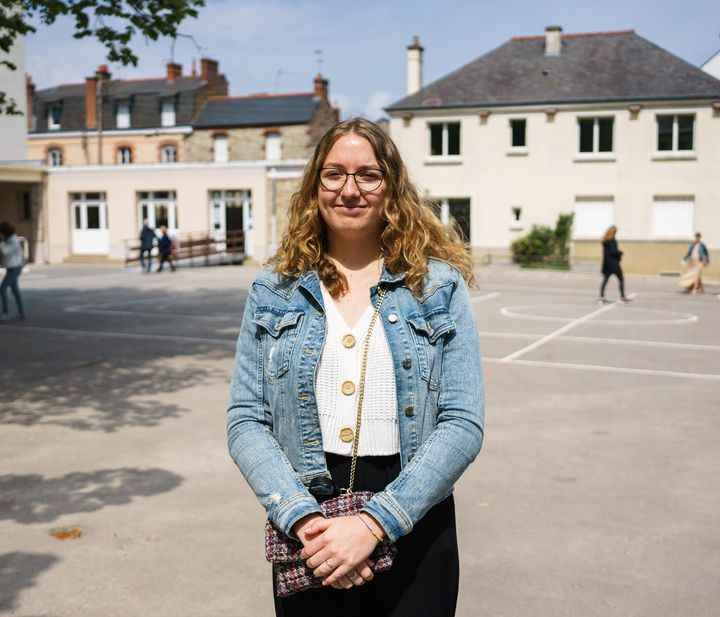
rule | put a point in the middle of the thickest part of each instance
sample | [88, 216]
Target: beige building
[607, 126]
[176, 151]
[21, 180]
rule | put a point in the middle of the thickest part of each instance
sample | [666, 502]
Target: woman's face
[351, 212]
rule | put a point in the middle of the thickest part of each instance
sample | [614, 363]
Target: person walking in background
[696, 258]
[147, 241]
[12, 258]
[165, 248]
[611, 264]
[362, 249]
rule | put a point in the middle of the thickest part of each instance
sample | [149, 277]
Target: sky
[272, 45]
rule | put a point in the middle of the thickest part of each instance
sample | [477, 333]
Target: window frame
[54, 157]
[168, 117]
[120, 158]
[675, 134]
[164, 149]
[445, 140]
[596, 137]
[120, 109]
[53, 125]
[221, 138]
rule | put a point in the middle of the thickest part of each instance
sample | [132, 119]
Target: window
[159, 208]
[25, 206]
[89, 211]
[456, 213]
[122, 116]
[231, 210]
[593, 215]
[596, 134]
[167, 113]
[168, 154]
[675, 132]
[220, 149]
[273, 146]
[54, 157]
[672, 217]
[445, 139]
[516, 214]
[124, 155]
[54, 115]
[517, 133]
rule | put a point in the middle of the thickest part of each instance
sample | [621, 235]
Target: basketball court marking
[128, 335]
[569, 326]
[489, 296]
[608, 369]
[515, 312]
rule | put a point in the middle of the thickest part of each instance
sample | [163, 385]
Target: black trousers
[423, 581]
[607, 276]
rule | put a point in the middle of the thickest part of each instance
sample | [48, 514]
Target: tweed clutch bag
[291, 574]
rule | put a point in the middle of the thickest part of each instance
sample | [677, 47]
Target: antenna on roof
[277, 78]
[319, 54]
[198, 48]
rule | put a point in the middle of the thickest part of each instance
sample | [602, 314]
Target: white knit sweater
[340, 364]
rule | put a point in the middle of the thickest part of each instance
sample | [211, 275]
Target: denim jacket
[273, 428]
[703, 254]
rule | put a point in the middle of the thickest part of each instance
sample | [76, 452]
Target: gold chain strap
[361, 387]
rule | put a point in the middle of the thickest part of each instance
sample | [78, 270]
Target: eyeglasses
[367, 180]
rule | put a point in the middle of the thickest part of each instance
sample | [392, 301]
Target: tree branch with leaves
[114, 23]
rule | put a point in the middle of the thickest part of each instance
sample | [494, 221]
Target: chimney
[217, 84]
[194, 68]
[29, 99]
[414, 66]
[208, 69]
[553, 40]
[321, 87]
[174, 71]
[102, 72]
[91, 102]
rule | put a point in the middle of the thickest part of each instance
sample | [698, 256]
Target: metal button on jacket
[346, 434]
[407, 364]
[409, 410]
[392, 317]
[348, 387]
[348, 341]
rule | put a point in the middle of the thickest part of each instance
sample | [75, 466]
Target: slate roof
[258, 110]
[145, 96]
[601, 67]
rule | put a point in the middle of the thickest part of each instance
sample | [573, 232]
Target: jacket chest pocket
[278, 334]
[429, 333]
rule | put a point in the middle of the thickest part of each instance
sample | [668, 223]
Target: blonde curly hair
[412, 233]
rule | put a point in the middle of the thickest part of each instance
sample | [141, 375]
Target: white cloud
[374, 106]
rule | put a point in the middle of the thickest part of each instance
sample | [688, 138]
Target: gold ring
[352, 575]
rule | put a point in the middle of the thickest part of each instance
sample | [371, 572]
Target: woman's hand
[338, 551]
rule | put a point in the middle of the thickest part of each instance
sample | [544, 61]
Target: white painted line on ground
[558, 332]
[514, 312]
[489, 296]
[661, 344]
[129, 335]
[609, 369]
[160, 314]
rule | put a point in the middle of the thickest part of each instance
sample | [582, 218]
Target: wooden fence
[195, 248]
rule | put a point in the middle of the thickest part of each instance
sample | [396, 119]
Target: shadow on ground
[30, 498]
[104, 370]
[18, 571]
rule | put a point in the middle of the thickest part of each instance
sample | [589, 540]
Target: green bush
[544, 245]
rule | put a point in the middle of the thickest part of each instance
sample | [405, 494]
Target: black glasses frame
[347, 175]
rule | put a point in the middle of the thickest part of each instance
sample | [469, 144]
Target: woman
[359, 233]
[698, 257]
[611, 264]
[11, 254]
[165, 249]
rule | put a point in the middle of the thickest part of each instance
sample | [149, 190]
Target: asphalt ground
[596, 492]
